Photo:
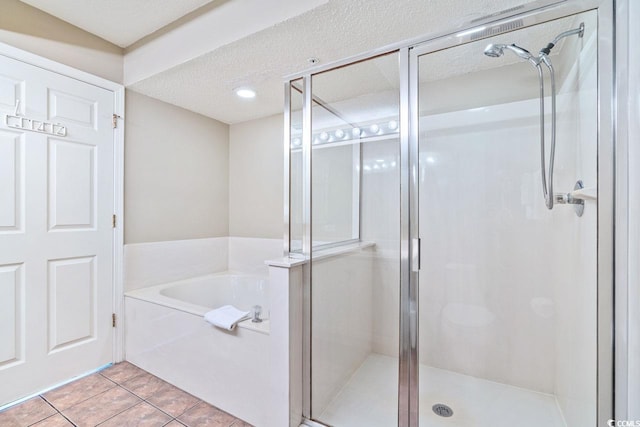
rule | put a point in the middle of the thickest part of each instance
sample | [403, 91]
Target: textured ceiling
[333, 31]
[122, 22]
[450, 79]
[338, 29]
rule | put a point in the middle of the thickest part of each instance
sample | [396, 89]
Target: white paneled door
[56, 233]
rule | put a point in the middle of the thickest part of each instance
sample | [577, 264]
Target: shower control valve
[570, 199]
[567, 199]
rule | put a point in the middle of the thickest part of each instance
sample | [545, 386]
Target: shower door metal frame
[536, 12]
[627, 222]
[606, 168]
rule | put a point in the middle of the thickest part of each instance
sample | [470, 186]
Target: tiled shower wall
[149, 264]
[507, 288]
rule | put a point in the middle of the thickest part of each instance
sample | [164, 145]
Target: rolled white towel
[226, 317]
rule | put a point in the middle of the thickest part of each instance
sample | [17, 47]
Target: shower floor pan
[370, 399]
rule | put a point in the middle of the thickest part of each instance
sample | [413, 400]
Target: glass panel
[508, 287]
[296, 179]
[355, 288]
[335, 171]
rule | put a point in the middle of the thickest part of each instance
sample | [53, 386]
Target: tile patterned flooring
[122, 395]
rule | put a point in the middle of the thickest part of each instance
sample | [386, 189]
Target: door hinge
[115, 120]
[114, 220]
[113, 320]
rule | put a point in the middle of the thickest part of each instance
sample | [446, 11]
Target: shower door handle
[415, 254]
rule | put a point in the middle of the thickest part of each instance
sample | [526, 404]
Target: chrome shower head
[521, 52]
[495, 50]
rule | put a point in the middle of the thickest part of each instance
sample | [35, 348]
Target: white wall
[256, 176]
[149, 264]
[508, 288]
[381, 224]
[248, 254]
[30, 29]
[486, 302]
[342, 322]
[190, 177]
[333, 178]
[176, 173]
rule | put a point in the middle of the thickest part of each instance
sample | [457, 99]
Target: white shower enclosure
[439, 288]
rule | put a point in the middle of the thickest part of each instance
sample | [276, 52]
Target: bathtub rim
[153, 295]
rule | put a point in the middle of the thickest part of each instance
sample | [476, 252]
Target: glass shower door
[507, 287]
[355, 234]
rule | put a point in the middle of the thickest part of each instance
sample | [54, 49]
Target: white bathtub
[166, 334]
[201, 294]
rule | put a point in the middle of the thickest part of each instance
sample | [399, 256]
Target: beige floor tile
[98, 400]
[141, 415]
[172, 400]
[26, 413]
[205, 415]
[54, 421]
[73, 393]
[121, 372]
[144, 385]
[100, 408]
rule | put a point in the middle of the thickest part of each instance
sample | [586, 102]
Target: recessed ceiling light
[245, 92]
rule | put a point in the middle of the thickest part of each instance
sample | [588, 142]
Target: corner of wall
[28, 28]
[256, 164]
[177, 173]
[150, 264]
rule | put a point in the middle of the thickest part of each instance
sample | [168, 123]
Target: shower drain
[442, 410]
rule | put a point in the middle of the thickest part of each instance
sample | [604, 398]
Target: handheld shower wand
[497, 50]
[543, 55]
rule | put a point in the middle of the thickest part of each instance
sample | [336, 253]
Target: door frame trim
[118, 194]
